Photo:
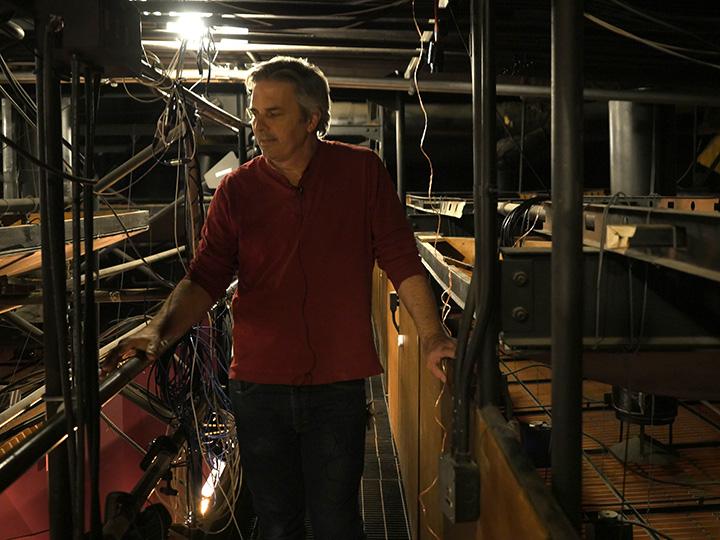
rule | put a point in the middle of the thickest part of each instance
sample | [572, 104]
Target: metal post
[51, 222]
[487, 197]
[242, 133]
[90, 344]
[521, 162]
[567, 173]
[400, 146]
[70, 156]
[11, 188]
[72, 127]
[631, 141]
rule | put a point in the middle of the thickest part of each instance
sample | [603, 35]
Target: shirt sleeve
[393, 241]
[215, 262]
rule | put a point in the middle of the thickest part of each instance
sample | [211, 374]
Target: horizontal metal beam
[22, 206]
[21, 238]
[137, 263]
[696, 231]
[107, 296]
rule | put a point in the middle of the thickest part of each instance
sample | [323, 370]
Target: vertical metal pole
[193, 200]
[90, 345]
[242, 134]
[77, 353]
[486, 198]
[631, 144]
[381, 138]
[567, 174]
[11, 187]
[68, 154]
[521, 164]
[400, 146]
[52, 227]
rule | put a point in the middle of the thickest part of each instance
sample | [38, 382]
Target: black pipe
[147, 401]
[122, 170]
[145, 269]
[129, 505]
[90, 311]
[487, 258]
[466, 351]
[54, 432]
[484, 199]
[77, 353]
[566, 312]
[400, 146]
[59, 501]
[22, 206]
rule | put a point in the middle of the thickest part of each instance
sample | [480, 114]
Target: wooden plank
[514, 502]
[433, 423]
[393, 377]
[33, 260]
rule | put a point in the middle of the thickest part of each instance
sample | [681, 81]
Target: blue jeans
[303, 445]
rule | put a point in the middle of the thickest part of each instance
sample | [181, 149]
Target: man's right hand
[146, 342]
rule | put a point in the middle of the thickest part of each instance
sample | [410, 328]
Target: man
[301, 227]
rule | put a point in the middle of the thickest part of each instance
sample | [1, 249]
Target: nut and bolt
[520, 278]
[520, 314]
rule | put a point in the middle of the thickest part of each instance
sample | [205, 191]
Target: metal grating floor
[382, 499]
[681, 499]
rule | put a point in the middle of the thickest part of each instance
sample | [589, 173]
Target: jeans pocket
[242, 389]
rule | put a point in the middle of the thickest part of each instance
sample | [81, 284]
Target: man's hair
[311, 86]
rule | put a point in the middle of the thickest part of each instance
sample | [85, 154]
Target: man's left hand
[434, 350]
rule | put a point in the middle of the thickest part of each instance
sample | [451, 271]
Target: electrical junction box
[459, 488]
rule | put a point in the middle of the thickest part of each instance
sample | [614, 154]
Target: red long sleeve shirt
[304, 258]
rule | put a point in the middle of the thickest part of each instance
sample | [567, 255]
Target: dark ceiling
[378, 38]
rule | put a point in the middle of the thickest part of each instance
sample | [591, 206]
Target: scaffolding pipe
[90, 311]
[54, 432]
[669, 97]
[52, 249]
[567, 262]
[134, 263]
[11, 187]
[486, 257]
[71, 126]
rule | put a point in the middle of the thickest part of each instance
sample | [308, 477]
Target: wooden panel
[407, 415]
[379, 316]
[431, 435]
[13, 265]
[514, 503]
[392, 366]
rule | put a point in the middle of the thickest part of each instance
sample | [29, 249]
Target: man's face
[281, 129]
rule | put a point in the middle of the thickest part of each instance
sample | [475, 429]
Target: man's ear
[312, 122]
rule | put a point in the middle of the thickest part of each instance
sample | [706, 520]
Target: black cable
[27, 155]
[664, 23]
[647, 528]
[515, 218]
